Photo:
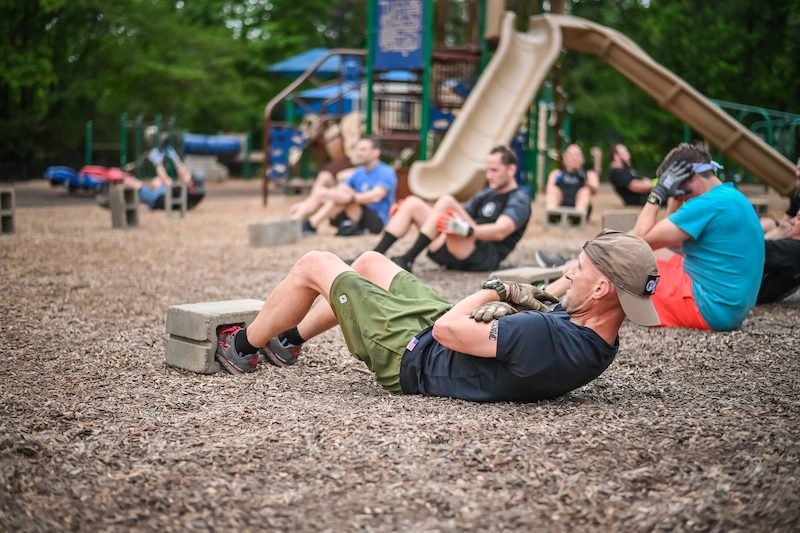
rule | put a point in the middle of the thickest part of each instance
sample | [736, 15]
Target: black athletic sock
[386, 241]
[292, 336]
[422, 242]
[243, 346]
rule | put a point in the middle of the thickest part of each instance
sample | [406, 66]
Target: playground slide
[491, 113]
[445, 174]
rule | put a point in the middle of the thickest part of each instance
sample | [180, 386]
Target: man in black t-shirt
[780, 229]
[781, 265]
[472, 237]
[632, 188]
[499, 344]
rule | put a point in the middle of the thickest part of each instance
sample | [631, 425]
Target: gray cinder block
[275, 232]
[621, 220]
[7, 209]
[761, 206]
[176, 199]
[124, 204]
[192, 330]
[564, 217]
[528, 274]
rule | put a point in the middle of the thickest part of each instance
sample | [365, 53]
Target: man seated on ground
[781, 265]
[359, 204]
[781, 229]
[154, 192]
[480, 349]
[629, 185]
[714, 282]
[472, 237]
[572, 187]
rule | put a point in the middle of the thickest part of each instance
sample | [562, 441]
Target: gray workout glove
[530, 297]
[672, 178]
[492, 311]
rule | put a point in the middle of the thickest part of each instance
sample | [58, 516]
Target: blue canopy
[294, 66]
[345, 90]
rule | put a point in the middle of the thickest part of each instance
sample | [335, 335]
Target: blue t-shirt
[724, 257]
[382, 175]
[539, 356]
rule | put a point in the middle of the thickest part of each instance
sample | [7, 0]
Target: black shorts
[483, 258]
[370, 222]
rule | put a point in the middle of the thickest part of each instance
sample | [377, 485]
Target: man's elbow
[443, 331]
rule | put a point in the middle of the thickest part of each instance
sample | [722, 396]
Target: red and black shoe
[231, 360]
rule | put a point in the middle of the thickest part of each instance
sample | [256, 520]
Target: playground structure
[497, 103]
[201, 154]
[494, 110]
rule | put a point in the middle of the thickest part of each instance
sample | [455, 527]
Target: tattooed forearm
[493, 331]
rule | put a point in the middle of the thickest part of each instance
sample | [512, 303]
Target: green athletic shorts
[378, 324]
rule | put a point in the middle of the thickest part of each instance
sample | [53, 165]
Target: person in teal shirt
[713, 283]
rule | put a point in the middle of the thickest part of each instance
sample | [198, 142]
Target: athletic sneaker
[231, 360]
[403, 263]
[550, 260]
[280, 354]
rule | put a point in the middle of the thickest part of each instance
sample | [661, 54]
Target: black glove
[530, 297]
[672, 178]
[492, 311]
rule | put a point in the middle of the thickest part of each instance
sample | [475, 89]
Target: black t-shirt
[781, 270]
[794, 203]
[486, 206]
[621, 179]
[539, 356]
[570, 182]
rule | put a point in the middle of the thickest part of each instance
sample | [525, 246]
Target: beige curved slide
[435, 178]
[492, 112]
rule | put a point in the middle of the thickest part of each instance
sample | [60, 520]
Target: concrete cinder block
[565, 218]
[7, 210]
[528, 274]
[761, 206]
[176, 200]
[124, 204]
[275, 232]
[192, 330]
[620, 220]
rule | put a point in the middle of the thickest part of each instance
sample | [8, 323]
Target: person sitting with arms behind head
[357, 205]
[499, 344]
[629, 185]
[472, 237]
[572, 187]
[781, 265]
[781, 229]
[713, 283]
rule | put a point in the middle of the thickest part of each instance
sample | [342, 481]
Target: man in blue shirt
[506, 342]
[360, 204]
[713, 283]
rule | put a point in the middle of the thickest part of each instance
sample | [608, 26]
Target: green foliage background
[63, 62]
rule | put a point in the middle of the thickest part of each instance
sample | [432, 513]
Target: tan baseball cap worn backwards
[628, 262]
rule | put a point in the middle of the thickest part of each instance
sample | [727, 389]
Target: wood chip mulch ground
[686, 431]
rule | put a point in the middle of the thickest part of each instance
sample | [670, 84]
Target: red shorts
[674, 298]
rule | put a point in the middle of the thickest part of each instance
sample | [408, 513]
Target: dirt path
[685, 431]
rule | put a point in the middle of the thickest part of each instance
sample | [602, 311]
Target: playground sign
[399, 35]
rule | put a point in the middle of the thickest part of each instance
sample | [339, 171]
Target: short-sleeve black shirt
[486, 206]
[621, 179]
[781, 269]
[539, 356]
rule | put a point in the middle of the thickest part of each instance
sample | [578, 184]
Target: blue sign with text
[398, 43]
